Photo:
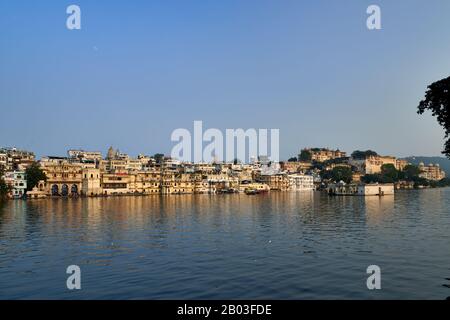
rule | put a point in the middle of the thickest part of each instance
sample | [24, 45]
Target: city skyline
[137, 71]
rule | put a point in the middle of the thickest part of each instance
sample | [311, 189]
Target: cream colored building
[400, 164]
[148, 182]
[324, 154]
[63, 178]
[278, 181]
[301, 182]
[431, 172]
[296, 167]
[91, 182]
[372, 164]
[176, 183]
[116, 183]
[84, 155]
[254, 186]
[14, 159]
[376, 189]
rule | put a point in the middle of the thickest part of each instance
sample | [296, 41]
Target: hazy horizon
[138, 70]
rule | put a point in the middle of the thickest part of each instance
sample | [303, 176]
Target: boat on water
[254, 191]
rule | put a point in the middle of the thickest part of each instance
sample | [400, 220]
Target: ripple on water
[278, 246]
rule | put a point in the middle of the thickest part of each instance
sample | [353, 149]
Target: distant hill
[444, 163]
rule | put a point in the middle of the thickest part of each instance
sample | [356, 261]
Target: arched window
[64, 190]
[74, 189]
[55, 190]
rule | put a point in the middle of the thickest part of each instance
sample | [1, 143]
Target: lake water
[281, 245]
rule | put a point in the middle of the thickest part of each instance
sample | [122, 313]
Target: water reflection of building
[378, 208]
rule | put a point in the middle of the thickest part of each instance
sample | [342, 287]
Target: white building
[17, 181]
[376, 189]
[300, 182]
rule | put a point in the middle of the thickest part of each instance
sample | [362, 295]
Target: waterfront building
[18, 183]
[300, 182]
[373, 189]
[277, 181]
[176, 183]
[91, 182]
[36, 193]
[116, 183]
[376, 189]
[431, 172]
[204, 186]
[221, 182]
[254, 186]
[63, 177]
[147, 182]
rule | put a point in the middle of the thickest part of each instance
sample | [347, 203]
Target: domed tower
[110, 155]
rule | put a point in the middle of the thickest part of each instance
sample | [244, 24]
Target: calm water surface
[275, 246]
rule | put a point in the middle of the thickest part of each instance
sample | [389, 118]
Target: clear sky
[137, 70]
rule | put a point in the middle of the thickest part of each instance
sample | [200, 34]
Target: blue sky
[137, 70]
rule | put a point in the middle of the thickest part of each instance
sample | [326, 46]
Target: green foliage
[389, 174]
[293, 159]
[441, 183]
[159, 157]
[339, 173]
[3, 187]
[363, 154]
[34, 174]
[410, 172]
[305, 155]
[437, 100]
